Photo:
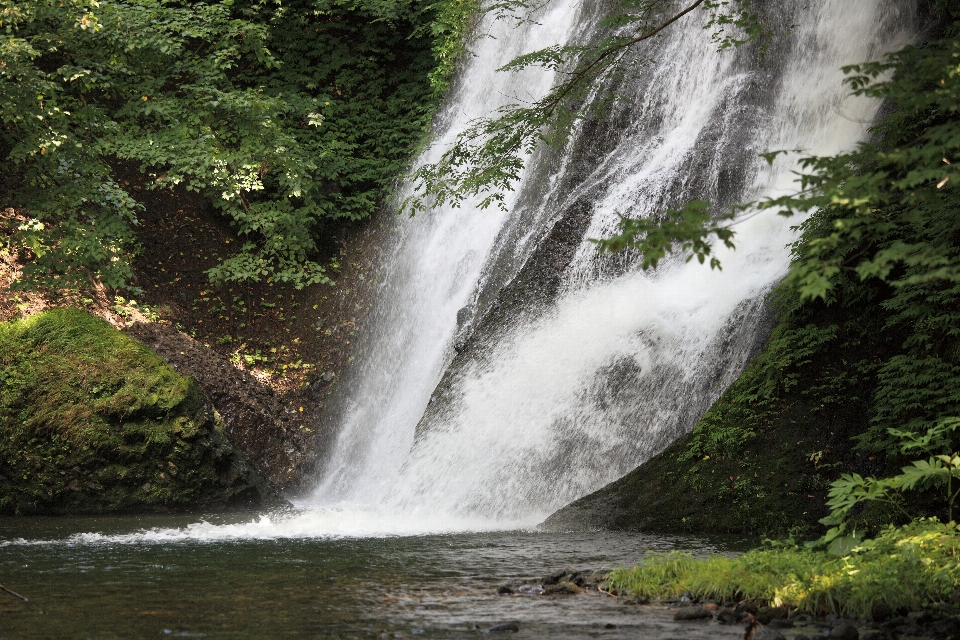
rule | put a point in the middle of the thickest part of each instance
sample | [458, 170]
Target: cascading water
[509, 368]
[575, 387]
[431, 272]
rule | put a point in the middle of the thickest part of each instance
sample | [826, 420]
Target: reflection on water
[118, 585]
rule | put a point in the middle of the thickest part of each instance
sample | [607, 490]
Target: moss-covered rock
[94, 422]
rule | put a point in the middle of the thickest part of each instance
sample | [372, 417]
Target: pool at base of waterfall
[158, 577]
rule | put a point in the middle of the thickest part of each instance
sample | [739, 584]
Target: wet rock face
[529, 293]
[261, 423]
[567, 581]
[92, 422]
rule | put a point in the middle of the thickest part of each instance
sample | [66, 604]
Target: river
[155, 577]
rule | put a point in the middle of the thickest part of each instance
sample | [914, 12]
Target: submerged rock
[558, 576]
[581, 579]
[693, 613]
[93, 422]
[561, 588]
[766, 615]
[765, 633]
[729, 615]
[881, 612]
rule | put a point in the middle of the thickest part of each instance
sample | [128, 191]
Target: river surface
[157, 577]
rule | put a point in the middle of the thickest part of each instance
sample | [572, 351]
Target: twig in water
[13, 593]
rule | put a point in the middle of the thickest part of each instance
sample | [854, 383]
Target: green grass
[910, 567]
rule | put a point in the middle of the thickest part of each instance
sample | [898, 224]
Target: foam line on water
[342, 523]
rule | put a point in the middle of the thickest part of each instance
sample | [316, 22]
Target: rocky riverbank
[759, 621]
[266, 354]
[277, 432]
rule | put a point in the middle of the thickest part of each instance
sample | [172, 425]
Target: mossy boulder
[93, 422]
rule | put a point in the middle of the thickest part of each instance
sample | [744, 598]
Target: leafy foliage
[685, 228]
[870, 308]
[940, 469]
[893, 196]
[287, 117]
[860, 353]
[84, 82]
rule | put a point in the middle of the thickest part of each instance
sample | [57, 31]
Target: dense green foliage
[910, 568]
[93, 421]
[363, 70]
[288, 117]
[937, 469]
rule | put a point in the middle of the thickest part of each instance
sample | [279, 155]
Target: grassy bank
[910, 568]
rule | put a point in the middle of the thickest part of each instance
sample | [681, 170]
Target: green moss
[908, 568]
[94, 422]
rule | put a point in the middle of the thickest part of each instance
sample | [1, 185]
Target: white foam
[320, 524]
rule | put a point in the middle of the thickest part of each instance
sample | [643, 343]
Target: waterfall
[507, 367]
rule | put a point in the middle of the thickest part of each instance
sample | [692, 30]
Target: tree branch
[13, 593]
[620, 48]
